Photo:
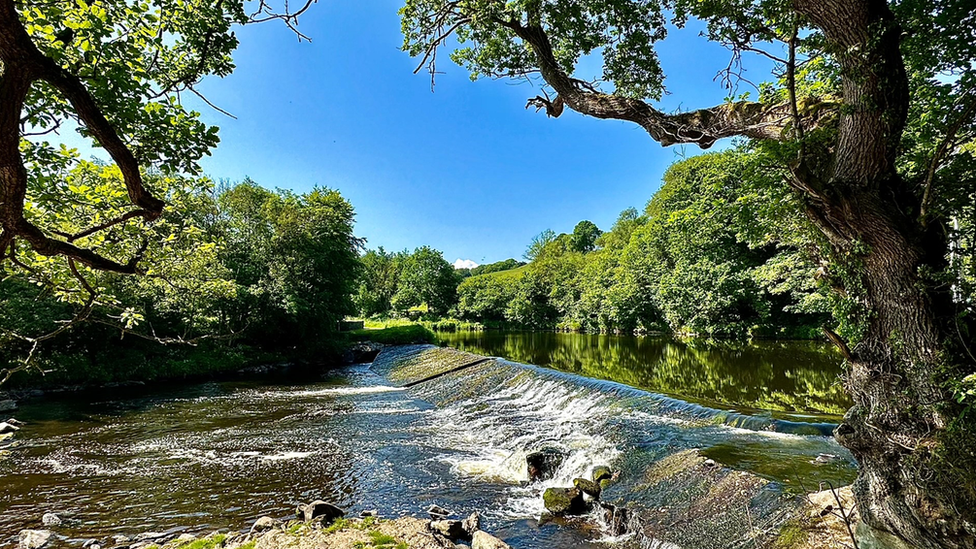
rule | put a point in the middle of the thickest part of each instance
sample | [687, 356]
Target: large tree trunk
[913, 481]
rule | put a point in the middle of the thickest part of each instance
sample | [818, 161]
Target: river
[220, 454]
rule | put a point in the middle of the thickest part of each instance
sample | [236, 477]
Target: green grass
[212, 542]
[379, 540]
[396, 335]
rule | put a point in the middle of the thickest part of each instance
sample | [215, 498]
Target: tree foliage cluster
[239, 272]
[393, 283]
[715, 252]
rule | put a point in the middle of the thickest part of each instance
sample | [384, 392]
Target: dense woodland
[849, 203]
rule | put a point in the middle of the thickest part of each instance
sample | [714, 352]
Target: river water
[220, 454]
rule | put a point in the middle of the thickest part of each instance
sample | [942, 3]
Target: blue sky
[465, 169]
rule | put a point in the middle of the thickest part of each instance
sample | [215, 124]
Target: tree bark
[22, 65]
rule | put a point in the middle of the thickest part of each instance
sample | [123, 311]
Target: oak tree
[868, 116]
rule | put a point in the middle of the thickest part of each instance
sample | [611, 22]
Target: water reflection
[784, 376]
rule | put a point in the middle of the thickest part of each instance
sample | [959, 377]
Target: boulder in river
[484, 540]
[564, 501]
[319, 510]
[8, 428]
[437, 512]
[601, 472]
[51, 519]
[588, 487]
[34, 539]
[542, 465]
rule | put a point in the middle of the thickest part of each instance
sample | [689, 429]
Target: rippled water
[218, 455]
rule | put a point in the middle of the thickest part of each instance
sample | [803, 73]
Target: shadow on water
[795, 377]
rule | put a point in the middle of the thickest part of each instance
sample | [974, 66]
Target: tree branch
[703, 127]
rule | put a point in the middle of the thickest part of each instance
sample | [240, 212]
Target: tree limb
[703, 127]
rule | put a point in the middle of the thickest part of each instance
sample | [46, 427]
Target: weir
[698, 477]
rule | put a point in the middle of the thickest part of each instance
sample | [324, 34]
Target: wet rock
[484, 540]
[825, 458]
[601, 472]
[710, 463]
[8, 428]
[51, 519]
[263, 524]
[369, 513]
[450, 529]
[34, 539]
[564, 501]
[15, 422]
[119, 539]
[319, 510]
[616, 518]
[588, 487]
[542, 465]
[472, 524]
[8, 405]
[437, 512]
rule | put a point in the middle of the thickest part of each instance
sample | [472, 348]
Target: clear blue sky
[465, 169]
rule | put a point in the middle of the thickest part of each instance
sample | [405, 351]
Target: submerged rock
[34, 539]
[319, 510]
[542, 465]
[51, 519]
[588, 487]
[484, 540]
[8, 405]
[564, 501]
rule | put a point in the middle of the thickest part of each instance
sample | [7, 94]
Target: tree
[115, 70]
[379, 281]
[427, 278]
[539, 243]
[295, 262]
[866, 130]
[584, 236]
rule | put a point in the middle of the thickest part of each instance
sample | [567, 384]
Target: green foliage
[242, 277]
[498, 266]
[379, 281]
[718, 251]
[396, 335]
[426, 278]
[295, 262]
[622, 32]
[584, 237]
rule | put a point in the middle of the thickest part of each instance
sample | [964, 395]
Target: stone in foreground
[34, 539]
[450, 529]
[484, 540]
[564, 501]
[263, 524]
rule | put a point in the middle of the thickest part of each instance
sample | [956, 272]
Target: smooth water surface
[802, 377]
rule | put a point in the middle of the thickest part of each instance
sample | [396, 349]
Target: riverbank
[318, 528]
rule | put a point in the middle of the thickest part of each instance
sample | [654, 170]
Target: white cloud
[464, 264]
